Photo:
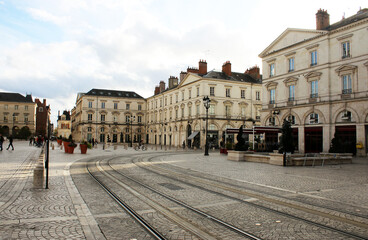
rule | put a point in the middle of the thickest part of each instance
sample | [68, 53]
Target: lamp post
[130, 121]
[206, 103]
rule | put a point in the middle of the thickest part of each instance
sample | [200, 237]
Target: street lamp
[130, 121]
[206, 103]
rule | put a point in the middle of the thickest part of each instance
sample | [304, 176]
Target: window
[228, 111]
[25, 118]
[212, 109]
[291, 119]
[6, 107]
[102, 129]
[197, 109]
[242, 93]
[177, 97]
[189, 111]
[15, 118]
[272, 69]
[182, 95]
[190, 94]
[102, 118]
[313, 118]
[26, 108]
[212, 91]
[127, 118]
[115, 105]
[5, 118]
[182, 112]
[89, 129]
[314, 89]
[16, 107]
[258, 95]
[115, 119]
[314, 58]
[165, 101]
[272, 96]
[227, 92]
[345, 49]
[90, 104]
[139, 119]
[197, 91]
[272, 121]
[176, 113]
[291, 64]
[102, 104]
[291, 93]
[89, 117]
[160, 102]
[40, 109]
[346, 84]
[170, 99]
[243, 111]
[127, 106]
[139, 107]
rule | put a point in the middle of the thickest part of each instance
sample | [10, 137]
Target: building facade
[64, 125]
[109, 116]
[42, 116]
[16, 112]
[318, 80]
[176, 115]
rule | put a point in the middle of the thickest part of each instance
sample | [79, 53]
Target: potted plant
[71, 147]
[65, 144]
[59, 140]
[83, 146]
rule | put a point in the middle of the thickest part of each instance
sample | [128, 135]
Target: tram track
[188, 225]
[152, 168]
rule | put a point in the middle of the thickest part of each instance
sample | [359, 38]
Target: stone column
[326, 138]
[360, 138]
[301, 143]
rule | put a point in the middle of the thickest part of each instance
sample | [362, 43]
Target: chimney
[226, 68]
[192, 70]
[157, 90]
[44, 102]
[182, 75]
[253, 72]
[173, 82]
[162, 86]
[202, 67]
[322, 19]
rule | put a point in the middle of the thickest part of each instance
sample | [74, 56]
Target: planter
[83, 148]
[236, 155]
[59, 141]
[66, 146]
[70, 150]
[223, 150]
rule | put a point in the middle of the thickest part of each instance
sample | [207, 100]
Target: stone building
[318, 80]
[64, 124]
[16, 111]
[176, 114]
[42, 115]
[109, 115]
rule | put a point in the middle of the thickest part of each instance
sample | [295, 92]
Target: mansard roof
[362, 14]
[15, 97]
[112, 93]
[235, 76]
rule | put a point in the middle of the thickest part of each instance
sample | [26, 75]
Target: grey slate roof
[362, 14]
[235, 76]
[112, 93]
[15, 97]
[67, 115]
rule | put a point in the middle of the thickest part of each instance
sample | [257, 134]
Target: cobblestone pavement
[61, 212]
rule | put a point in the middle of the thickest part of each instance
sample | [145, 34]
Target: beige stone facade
[64, 125]
[109, 115]
[16, 112]
[318, 80]
[176, 115]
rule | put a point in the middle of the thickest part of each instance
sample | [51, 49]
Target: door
[313, 139]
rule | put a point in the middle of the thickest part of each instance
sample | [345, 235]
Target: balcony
[272, 102]
[314, 95]
[291, 99]
[347, 91]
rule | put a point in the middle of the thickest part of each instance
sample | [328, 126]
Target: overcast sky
[54, 49]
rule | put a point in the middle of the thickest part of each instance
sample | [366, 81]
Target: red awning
[257, 130]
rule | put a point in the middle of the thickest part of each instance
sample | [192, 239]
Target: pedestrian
[184, 144]
[10, 143]
[93, 142]
[31, 139]
[1, 142]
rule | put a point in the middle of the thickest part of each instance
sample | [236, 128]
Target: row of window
[15, 118]
[346, 89]
[313, 118]
[16, 107]
[212, 94]
[345, 47]
[102, 129]
[115, 119]
[103, 105]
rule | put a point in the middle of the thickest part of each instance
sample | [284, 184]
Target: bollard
[38, 173]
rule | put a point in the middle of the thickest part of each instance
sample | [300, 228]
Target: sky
[54, 49]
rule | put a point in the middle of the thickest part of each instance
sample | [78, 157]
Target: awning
[192, 135]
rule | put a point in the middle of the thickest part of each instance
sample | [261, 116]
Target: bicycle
[142, 147]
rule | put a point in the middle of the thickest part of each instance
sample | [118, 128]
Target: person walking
[1, 142]
[10, 143]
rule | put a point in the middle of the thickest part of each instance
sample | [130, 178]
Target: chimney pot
[322, 19]
[226, 68]
[202, 67]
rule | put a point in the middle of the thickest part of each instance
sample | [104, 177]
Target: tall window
[89, 129]
[197, 91]
[189, 111]
[345, 49]
[258, 95]
[176, 113]
[127, 106]
[89, 117]
[115, 119]
[102, 118]
[177, 97]
[115, 105]
[170, 99]
[243, 111]
[197, 109]
[314, 58]
[272, 69]
[272, 96]
[6, 106]
[139, 107]
[227, 92]
[190, 94]
[242, 93]
[182, 112]
[89, 104]
[228, 111]
[291, 64]
[314, 89]
[212, 91]
[346, 84]
[291, 92]
[26, 108]
[182, 95]
[139, 119]
[16, 107]
[25, 118]
[212, 109]
[102, 104]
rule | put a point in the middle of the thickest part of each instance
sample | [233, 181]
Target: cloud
[48, 17]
